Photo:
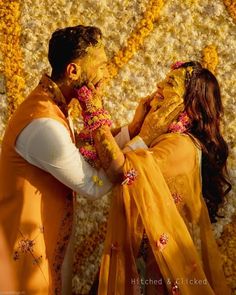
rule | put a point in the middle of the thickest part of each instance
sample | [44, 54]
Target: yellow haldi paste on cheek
[172, 86]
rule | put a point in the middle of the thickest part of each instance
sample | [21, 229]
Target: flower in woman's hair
[177, 65]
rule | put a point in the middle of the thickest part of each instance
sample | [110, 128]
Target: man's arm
[46, 143]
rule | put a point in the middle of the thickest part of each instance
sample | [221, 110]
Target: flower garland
[210, 58]
[231, 7]
[181, 125]
[136, 39]
[134, 42]
[11, 51]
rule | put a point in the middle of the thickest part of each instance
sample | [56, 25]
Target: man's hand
[139, 116]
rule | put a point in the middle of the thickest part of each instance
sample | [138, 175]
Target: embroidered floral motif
[175, 289]
[16, 255]
[115, 246]
[130, 177]
[177, 198]
[162, 242]
[37, 260]
[26, 245]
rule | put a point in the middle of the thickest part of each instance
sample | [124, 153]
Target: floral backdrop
[142, 38]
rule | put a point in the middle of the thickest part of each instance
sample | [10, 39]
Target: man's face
[173, 85]
[93, 66]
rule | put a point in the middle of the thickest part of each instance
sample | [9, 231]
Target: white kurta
[47, 144]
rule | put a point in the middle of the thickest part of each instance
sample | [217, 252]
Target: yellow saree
[165, 200]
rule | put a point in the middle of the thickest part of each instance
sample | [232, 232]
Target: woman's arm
[155, 124]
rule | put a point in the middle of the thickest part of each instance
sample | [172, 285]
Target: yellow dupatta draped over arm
[148, 205]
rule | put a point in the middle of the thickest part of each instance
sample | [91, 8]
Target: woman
[159, 238]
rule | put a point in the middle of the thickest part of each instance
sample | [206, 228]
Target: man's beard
[80, 82]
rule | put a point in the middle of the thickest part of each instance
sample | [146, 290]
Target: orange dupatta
[148, 204]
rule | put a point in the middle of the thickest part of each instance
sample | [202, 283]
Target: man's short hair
[68, 44]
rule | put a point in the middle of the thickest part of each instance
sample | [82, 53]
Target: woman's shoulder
[178, 153]
[178, 140]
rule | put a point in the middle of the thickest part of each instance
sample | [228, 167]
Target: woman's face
[173, 85]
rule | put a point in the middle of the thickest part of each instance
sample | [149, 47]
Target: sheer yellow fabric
[170, 168]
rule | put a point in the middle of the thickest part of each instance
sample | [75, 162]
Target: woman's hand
[157, 121]
[90, 97]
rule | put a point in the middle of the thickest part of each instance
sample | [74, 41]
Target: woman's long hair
[204, 107]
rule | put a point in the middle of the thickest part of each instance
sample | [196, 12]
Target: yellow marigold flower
[142, 29]
[231, 7]
[210, 58]
[95, 178]
[11, 51]
[100, 182]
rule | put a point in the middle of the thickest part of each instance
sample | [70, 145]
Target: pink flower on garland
[88, 154]
[181, 125]
[84, 93]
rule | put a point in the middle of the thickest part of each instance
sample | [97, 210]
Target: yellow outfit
[165, 201]
[36, 210]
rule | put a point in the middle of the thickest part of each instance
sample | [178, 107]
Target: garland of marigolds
[136, 39]
[11, 52]
[231, 7]
[134, 42]
[210, 58]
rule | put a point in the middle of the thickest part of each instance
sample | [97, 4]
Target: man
[40, 164]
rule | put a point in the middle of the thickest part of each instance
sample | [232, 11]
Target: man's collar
[54, 93]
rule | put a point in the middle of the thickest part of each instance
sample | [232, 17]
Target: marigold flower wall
[158, 33]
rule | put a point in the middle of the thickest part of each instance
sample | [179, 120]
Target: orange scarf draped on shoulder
[148, 205]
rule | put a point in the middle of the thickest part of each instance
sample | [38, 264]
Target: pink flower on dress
[130, 177]
[177, 198]
[162, 242]
[26, 245]
[175, 289]
[115, 246]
